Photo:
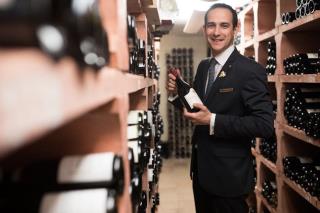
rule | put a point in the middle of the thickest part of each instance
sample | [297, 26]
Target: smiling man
[236, 108]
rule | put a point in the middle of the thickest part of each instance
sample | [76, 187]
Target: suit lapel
[226, 69]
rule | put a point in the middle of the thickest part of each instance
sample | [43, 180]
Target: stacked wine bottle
[180, 129]
[302, 109]
[303, 8]
[271, 60]
[141, 55]
[153, 68]
[58, 28]
[302, 63]
[77, 183]
[144, 132]
[269, 191]
[268, 148]
[304, 171]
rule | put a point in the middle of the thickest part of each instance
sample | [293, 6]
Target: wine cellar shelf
[52, 107]
[263, 25]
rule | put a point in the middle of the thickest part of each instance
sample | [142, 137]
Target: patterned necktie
[211, 71]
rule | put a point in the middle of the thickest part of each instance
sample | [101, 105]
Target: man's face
[219, 30]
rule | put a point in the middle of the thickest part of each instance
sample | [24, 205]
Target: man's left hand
[198, 118]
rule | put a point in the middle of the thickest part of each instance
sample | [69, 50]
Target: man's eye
[210, 25]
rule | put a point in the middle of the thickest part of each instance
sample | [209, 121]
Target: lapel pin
[222, 74]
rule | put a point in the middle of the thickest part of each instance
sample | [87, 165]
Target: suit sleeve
[258, 117]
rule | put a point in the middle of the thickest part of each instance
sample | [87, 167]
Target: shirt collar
[223, 57]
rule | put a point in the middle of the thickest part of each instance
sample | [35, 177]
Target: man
[236, 108]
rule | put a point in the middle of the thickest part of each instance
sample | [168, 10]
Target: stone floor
[175, 187]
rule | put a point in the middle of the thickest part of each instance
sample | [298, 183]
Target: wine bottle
[290, 17]
[85, 22]
[298, 12]
[58, 28]
[138, 157]
[100, 200]
[96, 170]
[186, 93]
[143, 202]
[137, 117]
[313, 5]
[292, 166]
[79, 201]
[298, 3]
[269, 191]
[132, 37]
[135, 132]
[33, 23]
[135, 189]
[268, 148]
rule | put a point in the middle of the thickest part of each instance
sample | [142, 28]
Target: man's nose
[216, 30]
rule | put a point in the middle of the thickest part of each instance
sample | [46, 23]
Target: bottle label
[135, 117]
[192, 98]
[305, 160]
[273, 184]
[313, 111]
[150, 121]
[136, 150]
[80, 201]
[312, 100]
[87, 168]
[133, 132]
[313, 55]
[150, 174]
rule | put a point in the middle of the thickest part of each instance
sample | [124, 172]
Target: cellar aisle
[175, 187]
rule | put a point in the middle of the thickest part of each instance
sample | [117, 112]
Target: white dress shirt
[221, 59]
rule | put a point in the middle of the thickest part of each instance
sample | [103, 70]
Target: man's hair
[226, 6]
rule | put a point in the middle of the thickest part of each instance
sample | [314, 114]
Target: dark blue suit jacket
[240, 98]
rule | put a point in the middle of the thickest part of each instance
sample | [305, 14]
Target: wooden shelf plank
[267, 35]
[254, 152]
[135, 82]
[299, 134]
[146, 2]
[265, 161]
[31, 83]
[134, 6]
[312, 200]
[309, 22]
[247, 9]
[264, 201]
[114, 16]
[307, 78]
[271, 78]
[248, 43]
[268, 164]
[152, 14]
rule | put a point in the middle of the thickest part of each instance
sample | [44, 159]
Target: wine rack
[76, 101]
[180, 128]
[279, 43]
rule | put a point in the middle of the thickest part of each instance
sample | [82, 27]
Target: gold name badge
[226, 90]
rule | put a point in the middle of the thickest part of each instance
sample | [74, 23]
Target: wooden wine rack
[260, 23]
[50, 109]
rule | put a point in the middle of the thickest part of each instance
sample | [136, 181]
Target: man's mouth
[216, 40]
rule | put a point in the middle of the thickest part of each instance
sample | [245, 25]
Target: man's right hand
[171, 84]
